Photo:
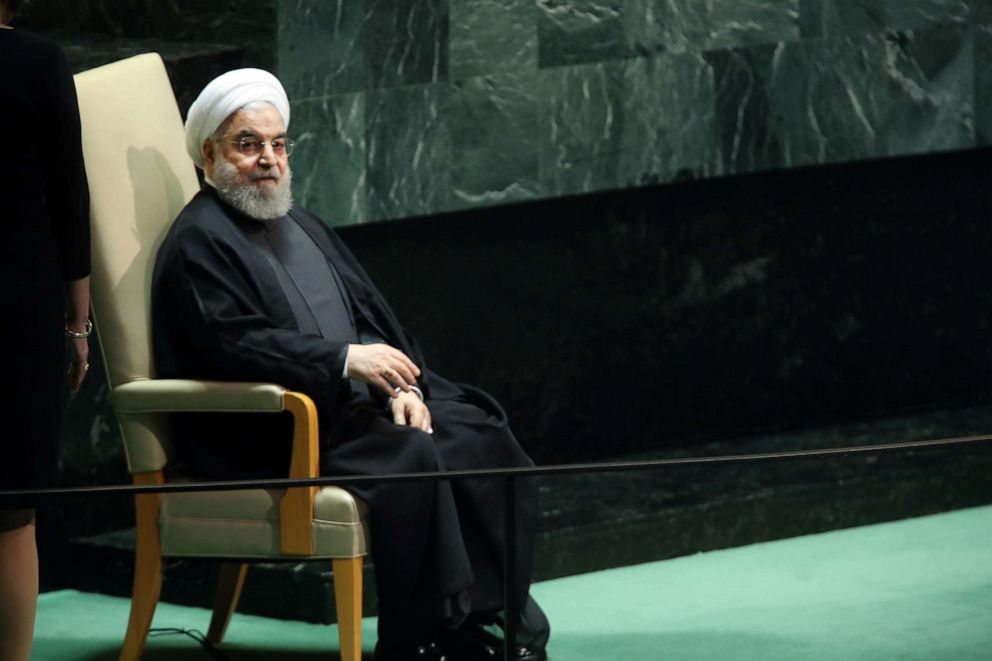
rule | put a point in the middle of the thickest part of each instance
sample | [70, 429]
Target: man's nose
[268, 154]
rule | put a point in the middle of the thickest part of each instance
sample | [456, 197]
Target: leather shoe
[525, 653]
[428, 651]
[474, 643]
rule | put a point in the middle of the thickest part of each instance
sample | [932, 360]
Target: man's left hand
[408, 410]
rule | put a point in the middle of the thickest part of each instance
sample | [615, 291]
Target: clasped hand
[408, 410]
[387, 368]
[382, 366]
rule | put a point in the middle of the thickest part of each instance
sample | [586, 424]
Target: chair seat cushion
[245, 524]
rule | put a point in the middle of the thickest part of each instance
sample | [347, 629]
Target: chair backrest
[140, 178]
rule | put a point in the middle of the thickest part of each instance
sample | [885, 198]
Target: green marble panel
[590, 30]
[842, 99]
[625, 123]
[829, 100]
[329, 161]
[321, 47]
[406, 42]
[931, 77]
[492, 36]
[577, 31]
[409, 151]
[821, 18]
[494, 138]
[669, 127]
[690, 25]
[924, 14]
[983, 86]
[743, 107]
[582, 117]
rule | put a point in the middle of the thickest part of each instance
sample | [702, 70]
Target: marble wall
[413, 107]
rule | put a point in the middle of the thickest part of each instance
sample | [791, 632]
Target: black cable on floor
[195, 635]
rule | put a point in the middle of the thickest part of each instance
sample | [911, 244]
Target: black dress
[44, 241]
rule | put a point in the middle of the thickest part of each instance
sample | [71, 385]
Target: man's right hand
[382, 366]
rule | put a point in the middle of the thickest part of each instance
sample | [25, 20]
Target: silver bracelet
[79, 335]
[415, 389]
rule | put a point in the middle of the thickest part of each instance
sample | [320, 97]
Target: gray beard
[253, 202]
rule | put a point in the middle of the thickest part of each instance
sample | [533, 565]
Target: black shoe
[472, 642]
[525, 653]
[425, 652]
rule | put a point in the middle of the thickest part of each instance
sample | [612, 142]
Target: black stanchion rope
[534, 471]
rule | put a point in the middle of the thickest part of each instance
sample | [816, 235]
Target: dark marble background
[245, 24]
[631, 320]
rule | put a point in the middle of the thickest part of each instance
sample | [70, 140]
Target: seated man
[249, 287]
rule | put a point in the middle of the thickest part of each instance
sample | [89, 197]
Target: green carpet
[915, 589]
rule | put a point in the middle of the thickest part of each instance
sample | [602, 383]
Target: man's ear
[208, 151]
[208, 156]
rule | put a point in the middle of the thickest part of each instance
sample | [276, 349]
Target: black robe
[219, 312]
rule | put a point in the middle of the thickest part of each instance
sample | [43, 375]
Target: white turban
[225, 95]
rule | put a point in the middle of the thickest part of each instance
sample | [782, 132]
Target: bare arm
[77, 309]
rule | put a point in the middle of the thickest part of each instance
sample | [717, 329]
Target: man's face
[257, 184]
[261, 171]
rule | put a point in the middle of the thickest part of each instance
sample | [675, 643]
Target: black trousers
[437, 546]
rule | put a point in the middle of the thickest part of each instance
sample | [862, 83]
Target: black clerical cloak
[219, 312]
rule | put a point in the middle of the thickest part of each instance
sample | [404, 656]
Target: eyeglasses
[254, 146]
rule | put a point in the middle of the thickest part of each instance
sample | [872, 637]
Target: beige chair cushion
[132, 136]
[245, 524]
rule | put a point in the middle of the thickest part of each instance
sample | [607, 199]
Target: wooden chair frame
[296, 540]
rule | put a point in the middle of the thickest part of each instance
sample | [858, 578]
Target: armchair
[140, 178]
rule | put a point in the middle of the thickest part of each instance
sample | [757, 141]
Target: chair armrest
[163, 395]
[189, 395]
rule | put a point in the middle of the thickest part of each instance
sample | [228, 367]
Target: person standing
[45, 265]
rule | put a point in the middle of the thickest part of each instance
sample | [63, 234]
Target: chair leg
[229, 584]
[348, 599]
[147, 576]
